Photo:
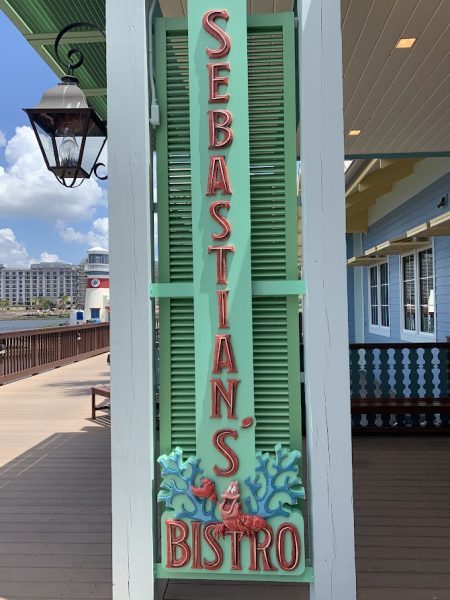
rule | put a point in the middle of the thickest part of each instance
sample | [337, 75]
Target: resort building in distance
[52, 281]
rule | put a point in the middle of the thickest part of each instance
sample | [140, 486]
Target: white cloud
[97, 236]
[46, 257]
[2, 139]
[12, 252]
[28, 189]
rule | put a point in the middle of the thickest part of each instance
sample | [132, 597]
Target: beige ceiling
[399, 99]
[177, 8]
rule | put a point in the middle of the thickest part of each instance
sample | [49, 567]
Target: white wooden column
[131, 335]
[325, 307]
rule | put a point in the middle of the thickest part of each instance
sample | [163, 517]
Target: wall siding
[350, 291]
[421, 207]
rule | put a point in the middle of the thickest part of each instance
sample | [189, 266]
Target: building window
[379, 298]
[418, 293]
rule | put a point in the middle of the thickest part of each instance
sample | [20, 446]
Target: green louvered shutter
[176, 315]
[274, 232]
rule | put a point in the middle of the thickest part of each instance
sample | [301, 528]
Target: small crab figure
[230, 510]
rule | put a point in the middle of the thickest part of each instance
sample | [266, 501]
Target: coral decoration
[274, 489]
[275, 476]
[178, 477]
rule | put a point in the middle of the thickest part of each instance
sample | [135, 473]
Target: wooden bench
[418, 415]
[105, 392]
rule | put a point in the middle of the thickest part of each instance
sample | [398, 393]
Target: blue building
[398, 248]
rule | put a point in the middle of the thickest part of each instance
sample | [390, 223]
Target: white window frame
[405, 334]
[378, 329]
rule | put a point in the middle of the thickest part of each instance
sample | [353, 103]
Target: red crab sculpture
[233, 519]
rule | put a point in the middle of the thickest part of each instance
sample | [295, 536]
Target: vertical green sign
[229, 509]
[220, 175]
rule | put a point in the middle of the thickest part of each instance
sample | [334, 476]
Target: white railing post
[131, 333]
[325, 304]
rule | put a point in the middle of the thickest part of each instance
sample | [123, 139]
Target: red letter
[235, 541]
[196, 545]
[173, 542]
[219, 443]
[222, 305]
[229, 396]
[216, 127]
[221, 262]
[224, 223]
[218, 176]
[284, 529]
[217, 33]
[223, 346]
[264, 548]
[215, 80]
[215, 547]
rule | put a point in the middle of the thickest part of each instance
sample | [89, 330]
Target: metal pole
[325, 318]
[130, 181]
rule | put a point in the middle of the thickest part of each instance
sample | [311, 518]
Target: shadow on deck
[55, 519]
[55, 504]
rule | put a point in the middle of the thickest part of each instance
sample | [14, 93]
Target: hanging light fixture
[70, 134]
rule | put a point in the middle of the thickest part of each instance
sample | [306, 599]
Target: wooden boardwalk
[55, 498]
[55, 528]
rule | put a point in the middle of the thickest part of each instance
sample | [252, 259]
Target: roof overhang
[397, 98]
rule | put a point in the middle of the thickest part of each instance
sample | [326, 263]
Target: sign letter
[217, 33]
[222, 346]
[218, 391]
[218, 176]
[223, 126]
[226, 451]
[177, 541]
[215, 79]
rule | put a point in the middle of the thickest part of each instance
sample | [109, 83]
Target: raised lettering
[217, 33]
[196, 545]
[218, 176]
[223, 354]
[175, 541]
[221, 126]
[283, 530]
[221, 262]
[216, 80]
[264, 549]
[222, 307]
[216, 563]
[214, 208]
[226, 451]
[218, 393]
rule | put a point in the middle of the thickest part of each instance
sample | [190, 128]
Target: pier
[55, 503]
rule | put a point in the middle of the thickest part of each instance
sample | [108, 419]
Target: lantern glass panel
[46, 142]
[92, 148]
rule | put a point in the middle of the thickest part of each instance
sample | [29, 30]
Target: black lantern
[70, 134]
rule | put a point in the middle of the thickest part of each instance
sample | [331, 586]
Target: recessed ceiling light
[406, 42]
[354, 132]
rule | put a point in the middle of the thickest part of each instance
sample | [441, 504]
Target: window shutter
[271, 58]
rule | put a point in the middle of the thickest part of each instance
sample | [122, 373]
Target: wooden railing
[402, 386]
[24, 353]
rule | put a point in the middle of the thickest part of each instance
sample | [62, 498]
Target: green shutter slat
[275, 319]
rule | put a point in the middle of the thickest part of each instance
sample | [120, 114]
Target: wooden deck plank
[55, 521]
[55, 487]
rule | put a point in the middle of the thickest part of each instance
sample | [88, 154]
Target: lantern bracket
[75, 53]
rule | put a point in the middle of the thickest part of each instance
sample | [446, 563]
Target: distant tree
[4, 303]
[65, 301]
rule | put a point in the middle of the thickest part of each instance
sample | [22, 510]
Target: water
[19, 324]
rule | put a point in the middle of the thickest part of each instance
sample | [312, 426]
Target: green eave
[40, 22]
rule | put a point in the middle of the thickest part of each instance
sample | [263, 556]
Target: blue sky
[39, 219]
